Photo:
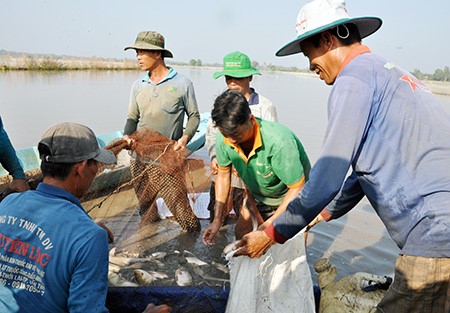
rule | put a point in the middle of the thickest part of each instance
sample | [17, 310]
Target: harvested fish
[194, 260]
[112, 251]
[187, 253]
[124, 261]
[197, 270]
[159, 255]
[230, 250]
[113, 268]
[147, 277]
[221, 267]
[183, 277]
[249, 204]
[118, 281]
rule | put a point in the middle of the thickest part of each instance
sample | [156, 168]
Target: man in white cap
[392, 133]
[160, 100]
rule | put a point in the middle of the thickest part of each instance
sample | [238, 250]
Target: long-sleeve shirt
[162, 106]
[8, 157]
[393, 134]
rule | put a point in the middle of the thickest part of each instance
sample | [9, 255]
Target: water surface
[32, 101]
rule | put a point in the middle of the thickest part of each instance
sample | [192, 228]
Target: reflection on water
[32, 101]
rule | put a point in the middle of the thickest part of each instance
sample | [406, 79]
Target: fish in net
[158, 171]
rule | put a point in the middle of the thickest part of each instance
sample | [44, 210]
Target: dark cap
[150, 40]
[72, 143]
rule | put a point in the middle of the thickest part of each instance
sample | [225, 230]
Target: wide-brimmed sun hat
[150, 40]
[320, 15]
[238, 65]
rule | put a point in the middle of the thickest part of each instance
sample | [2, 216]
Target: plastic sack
[279, 281]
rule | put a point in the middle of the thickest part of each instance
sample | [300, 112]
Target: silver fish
[147, 277]
[159, 255]
[221, 267]
[229, 247]
[197, 270]
[183, 277]
[194, 260]
[118, 281]
[113, 268]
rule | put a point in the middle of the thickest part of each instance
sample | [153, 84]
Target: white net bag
[279, 281]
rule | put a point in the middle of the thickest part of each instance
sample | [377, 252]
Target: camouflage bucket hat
[238, 65]
[150, 40]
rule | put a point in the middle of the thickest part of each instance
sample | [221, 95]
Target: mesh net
[154, 202]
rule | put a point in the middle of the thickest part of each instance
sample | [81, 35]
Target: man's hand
[151, 308]
[315, 221]
[254, 244]
[214, 166]
[181, 143]
[19, 185]
[210, 232]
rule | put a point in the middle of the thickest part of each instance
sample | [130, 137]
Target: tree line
[439, 74]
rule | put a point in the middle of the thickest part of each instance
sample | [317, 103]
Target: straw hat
[320, 15]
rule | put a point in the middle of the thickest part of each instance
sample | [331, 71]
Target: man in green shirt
[268, 157]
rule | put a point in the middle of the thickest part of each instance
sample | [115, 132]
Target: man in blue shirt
[53, 257]
[392, 133]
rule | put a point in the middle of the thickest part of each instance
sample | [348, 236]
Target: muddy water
[31, 102]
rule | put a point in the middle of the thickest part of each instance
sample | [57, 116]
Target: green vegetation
[442, 75]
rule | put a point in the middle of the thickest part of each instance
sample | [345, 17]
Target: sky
[414, 34]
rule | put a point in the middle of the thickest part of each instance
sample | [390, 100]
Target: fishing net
[154, 202]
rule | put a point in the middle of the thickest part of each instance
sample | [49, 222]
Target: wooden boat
[30, 161]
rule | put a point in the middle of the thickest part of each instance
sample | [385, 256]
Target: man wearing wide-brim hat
[238, 72]
[160, 100]
[392, 133]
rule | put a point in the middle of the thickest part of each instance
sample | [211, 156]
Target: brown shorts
[420, 285]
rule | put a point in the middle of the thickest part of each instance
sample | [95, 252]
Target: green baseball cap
[150, 40]
[238, 65]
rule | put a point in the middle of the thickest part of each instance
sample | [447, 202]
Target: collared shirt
[54, 258]
[162, 106]
[272, 167]
[393, 133]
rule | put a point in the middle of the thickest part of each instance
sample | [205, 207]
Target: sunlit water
[31, 102]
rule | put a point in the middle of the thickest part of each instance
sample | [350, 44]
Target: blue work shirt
[53, 257]
[393, 134]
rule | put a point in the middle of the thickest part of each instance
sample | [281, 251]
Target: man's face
[320, 61]
[240, 85]
[90, 170]
[242, 134]
[147, 59]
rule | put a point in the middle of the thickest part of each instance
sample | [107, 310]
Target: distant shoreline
[436, 87]
[64, 63]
